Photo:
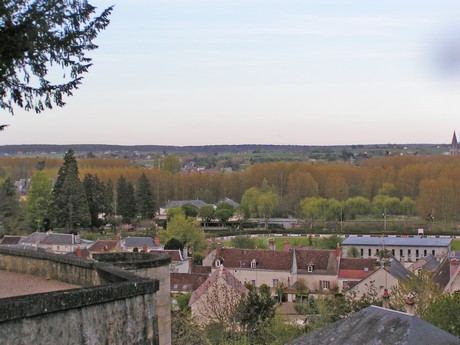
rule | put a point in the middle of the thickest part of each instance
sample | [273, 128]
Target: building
[353, 270]
[217, 297]
[121, 298]
[180, 261]
[178, 203]
[405, 249]
[454, 149]
[376, 325]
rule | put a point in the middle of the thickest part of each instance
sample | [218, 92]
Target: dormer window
[310, 268]
[217, 263]
[253, 263]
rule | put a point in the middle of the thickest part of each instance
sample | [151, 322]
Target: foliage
[352, 252]
[224, 212]
[260, 202]
[329, 242]
[186, 231]
[69, 205]
[190, 211]
[243, 242]
[95, 196]
[444, 312]
[425, 290]
[38, 199]
[37, 38]
[144, 198]
[175, 211]
[185, 331]
[174, 243]
[10, 209]
[126, 204]
[356, 206]
[170, 163]
[182, 303]
[206, 213]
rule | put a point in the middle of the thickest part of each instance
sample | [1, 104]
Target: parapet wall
[114, 307]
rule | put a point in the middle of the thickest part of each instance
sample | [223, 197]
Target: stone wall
[114, 307]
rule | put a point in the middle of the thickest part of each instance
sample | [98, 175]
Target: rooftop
[397, 241]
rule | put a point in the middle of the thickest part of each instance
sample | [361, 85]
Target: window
[275, 283]
[393, 252]
[401, 253]
[433, 252]
[310, 268]
[425, 253]
[324, 284]
[217, 263]
[409, 254]
[417, 253]
[253, 263]
[253, 282]
[369, 252]
[362, 252]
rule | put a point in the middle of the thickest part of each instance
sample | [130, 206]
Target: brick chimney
[144, 249]
[410, 304]
[286, 245]
[338, 251]
[386, 299]
[271, 245]
[157, 241]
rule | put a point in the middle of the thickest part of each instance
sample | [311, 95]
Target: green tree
[126, 205]
[39, 38]
[266, 205]
[224, 212]
[69, 205]
[243, 242]
[144, 198]
[256, 312]
[108, 199]
[10, 209]
[187, 231]
[444, 312]
[95, 196]
[249, 201]
[356, 206]
[190, 211]
[206, 213]
[353, 252]
[38, 199]
[175, 211]
[170, 163]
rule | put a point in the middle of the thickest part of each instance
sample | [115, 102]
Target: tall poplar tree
[69, 204]
[144, 198]
[10, 210]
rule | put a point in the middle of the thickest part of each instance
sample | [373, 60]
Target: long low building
[407, 249]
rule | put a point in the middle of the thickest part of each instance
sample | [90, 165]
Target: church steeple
[454, 146]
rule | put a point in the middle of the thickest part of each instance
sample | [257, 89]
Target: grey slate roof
[228, 201]
[196, 203]
[139, 242]
[398, 270]
[397, 241]
[61, 239]
[375, 325]
[34, 238]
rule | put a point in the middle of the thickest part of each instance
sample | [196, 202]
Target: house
[186, 282]
[427, 263]
[63, 243]
[353, 270]
[376, 325]
[105, 246]
[405, 249]
[216, 297]
[387, 276]
[144, 244]
[178, 203]
[279, 269]
[180, 261]
[10, 241]
[228, 201]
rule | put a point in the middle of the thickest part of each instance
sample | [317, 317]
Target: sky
[288, 72]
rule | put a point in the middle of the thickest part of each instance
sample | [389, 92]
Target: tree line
[427, 186]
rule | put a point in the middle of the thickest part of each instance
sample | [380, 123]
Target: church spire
[454, 146]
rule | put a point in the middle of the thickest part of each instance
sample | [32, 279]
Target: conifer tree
[108, 199]
[10, 210]
[144, 198]
[38, 199]
[95, 196]
[69, 204]
[126, 206]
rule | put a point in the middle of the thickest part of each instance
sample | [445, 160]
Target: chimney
[144, 249]
[287, 246]
[386, 299]
[208, 249]
[190, 264]
[338, 251]
[218, 251]
[157, 241]
[78, 252]
[410, 304]
[271, 245]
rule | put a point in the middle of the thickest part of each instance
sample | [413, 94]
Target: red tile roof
[182, 282]
[323, 260]
[357, 263]
[7, 239]
[201, 269]
[265, 259]
[103, 246]
[354, 274]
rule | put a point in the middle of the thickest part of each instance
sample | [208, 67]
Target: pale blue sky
[201, 72]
